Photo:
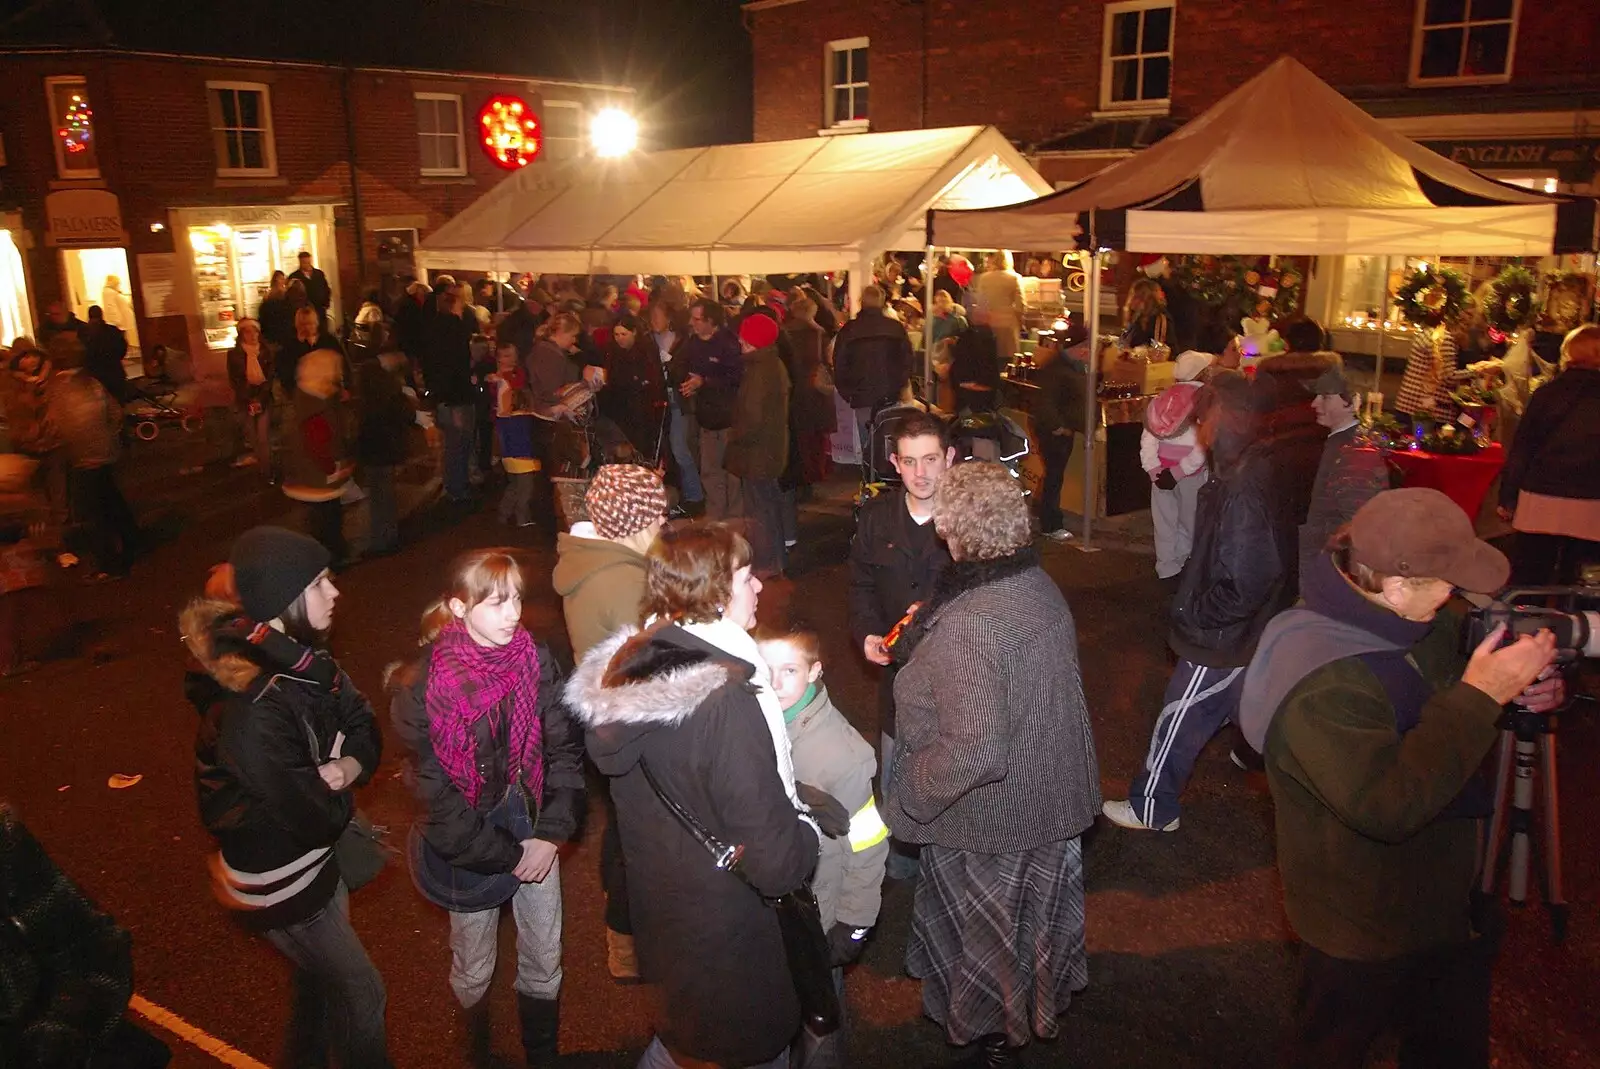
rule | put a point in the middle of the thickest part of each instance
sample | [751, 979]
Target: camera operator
[1374, 724]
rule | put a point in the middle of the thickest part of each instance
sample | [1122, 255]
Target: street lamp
[613, 133]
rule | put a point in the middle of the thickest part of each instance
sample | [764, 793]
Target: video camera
[1570, 613]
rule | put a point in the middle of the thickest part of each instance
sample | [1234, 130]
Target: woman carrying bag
[496, 764]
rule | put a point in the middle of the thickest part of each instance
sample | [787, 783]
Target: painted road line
[191, 1035]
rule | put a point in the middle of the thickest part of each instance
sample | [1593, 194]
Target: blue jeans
[456, 423]
[904, 862]
[339, 998]
[682, 454]
[1199, 700]
[656, 1056]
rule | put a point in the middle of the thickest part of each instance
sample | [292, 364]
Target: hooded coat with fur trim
[270, 711]
[670, 699]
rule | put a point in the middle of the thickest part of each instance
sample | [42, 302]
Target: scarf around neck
[467, 682]
[956, 579]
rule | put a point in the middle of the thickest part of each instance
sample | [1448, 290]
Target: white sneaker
[1122, 815]
[1060, 534]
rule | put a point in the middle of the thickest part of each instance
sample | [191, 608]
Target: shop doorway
[15, 319]
[100, 276]
[234, 266]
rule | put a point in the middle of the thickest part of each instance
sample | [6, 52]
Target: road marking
[190, 1034]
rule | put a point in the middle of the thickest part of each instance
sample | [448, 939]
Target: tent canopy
[815, 204]
[1282, 165]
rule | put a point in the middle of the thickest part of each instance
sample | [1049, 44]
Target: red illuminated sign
[510, 132]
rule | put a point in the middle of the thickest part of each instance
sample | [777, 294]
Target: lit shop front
[232, 253]
[16, 319]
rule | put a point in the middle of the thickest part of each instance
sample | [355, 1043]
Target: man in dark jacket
[521, 327]
[895, 557]
[871, 361]
[1236, 580]
[758, 442]
[1058, 415]
[712, 362]
[447, 374]
[104, 346]
[1374, 723]
[318, 292]
[1348, 476]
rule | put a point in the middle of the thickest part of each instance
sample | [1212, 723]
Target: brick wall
[1032, 67]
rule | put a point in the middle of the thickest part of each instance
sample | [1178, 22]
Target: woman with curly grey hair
[995, 775]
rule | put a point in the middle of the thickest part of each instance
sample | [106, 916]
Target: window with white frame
[241, 128]
[440, 144]
[846, 103]
[1464, 42]
[72, 127]
[563, 130]
[1136, 65]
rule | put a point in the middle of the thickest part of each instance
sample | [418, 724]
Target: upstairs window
[563, 130]
[241, 129]
[847, 83]
[440, 144]
[72, 127]
[1464, 42]
[1136, 68]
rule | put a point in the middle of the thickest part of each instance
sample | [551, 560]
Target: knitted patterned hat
[625, 498]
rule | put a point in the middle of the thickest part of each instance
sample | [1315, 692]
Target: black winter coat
[447, 359]
[635, 395]
[1238, 574]
[459, 833]
[871, 359]
[704, 935]
[265, 726]
[1557, 448]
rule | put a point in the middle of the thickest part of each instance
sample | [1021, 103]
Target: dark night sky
[689, 59]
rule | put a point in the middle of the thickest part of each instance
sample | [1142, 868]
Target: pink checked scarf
[467, 682]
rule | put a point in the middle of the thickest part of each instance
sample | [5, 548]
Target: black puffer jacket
[1557, 448]
[270, 713]
[459, 833]
[871, 359]
[704, 935]
[1239, 571]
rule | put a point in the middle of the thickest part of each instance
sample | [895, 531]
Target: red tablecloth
[1464, 479]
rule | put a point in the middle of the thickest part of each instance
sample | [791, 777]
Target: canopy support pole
[1091, 398]
[930, 391]
[1383, 331]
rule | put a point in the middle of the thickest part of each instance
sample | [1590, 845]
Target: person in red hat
[1373, 723]
[758, 442]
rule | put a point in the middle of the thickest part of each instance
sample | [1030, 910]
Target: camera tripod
[1527, 749]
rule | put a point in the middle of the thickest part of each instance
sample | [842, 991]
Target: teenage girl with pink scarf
[496, 765]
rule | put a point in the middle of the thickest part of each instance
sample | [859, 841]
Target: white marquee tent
[1282, 165]
[816, 204]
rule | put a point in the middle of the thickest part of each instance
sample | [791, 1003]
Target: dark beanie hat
[272, 566]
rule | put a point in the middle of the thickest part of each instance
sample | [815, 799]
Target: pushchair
[878, 472]
[152, 402]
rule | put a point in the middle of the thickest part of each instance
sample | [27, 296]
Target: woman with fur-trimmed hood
[690, 699]
[284, 737]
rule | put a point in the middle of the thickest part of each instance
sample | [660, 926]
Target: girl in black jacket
[284, 737]
[497, 767]
[635, 393]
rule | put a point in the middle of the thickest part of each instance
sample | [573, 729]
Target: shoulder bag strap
[725, 856]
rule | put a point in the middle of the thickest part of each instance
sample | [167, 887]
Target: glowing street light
[614, 133]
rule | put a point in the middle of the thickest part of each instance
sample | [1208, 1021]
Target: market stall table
[1464, 478]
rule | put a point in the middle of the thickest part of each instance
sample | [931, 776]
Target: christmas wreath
[1240, 287]
[1432, 296]
[1513, 301]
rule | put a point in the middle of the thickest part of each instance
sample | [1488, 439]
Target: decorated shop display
[511, 134]
[1568, 301]
[1236, 287]
[77, 125]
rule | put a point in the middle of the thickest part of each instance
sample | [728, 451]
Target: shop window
[241, 128]
[72, 128]
[15, 321]
[1136, 65]
[233, 268]
[847, 83]
[1466, 42]
[439, 137]
[562, 123]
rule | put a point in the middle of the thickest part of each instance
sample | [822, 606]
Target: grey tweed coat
[995, 753]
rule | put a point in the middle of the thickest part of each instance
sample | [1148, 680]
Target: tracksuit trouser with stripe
[1199, 700]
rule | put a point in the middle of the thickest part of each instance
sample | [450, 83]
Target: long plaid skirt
[998, 940]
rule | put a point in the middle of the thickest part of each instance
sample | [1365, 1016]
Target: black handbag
[799, 923]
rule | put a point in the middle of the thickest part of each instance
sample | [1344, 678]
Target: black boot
[993, 1052]
[541, 1028]
[472, 1026]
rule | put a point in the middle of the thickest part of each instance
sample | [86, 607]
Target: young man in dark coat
[104, 346]
[758, 442]
[712, 367]
[1348, 476]
[895, 558]
[871, 361]
[318, 292]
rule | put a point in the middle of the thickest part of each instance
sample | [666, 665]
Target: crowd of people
[749, 826]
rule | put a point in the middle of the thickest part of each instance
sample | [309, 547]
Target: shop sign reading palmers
[83, 217]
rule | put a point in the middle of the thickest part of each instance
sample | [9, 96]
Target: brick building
[167, 188]
[1503, 85]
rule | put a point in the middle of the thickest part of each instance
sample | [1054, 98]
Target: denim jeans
[456, 426]
[516, 504]
[656, 1056]
[339, 999]
[383, 511]
[904, 862]
[474, 938]
[682, 454]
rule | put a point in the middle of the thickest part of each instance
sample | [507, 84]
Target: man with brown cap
[600, 570]
[1373, 724]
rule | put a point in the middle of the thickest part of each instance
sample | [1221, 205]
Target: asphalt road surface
[1192, 963]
